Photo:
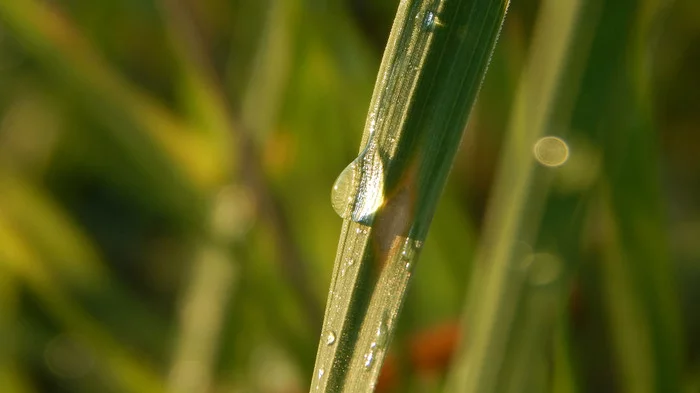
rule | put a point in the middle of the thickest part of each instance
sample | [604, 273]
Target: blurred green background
[165, 176]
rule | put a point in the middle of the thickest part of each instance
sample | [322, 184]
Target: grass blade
[636, 273]
[494, 298]
[433, 66]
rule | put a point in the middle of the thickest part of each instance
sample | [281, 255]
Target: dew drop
[320, 373]
[431, 21]
[369, 359]
[382, 333]
[351, 261]
[342, 196]
[330, 338]
[408, 251]
[359, 189]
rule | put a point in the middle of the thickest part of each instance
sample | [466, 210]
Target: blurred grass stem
[205, 84]
[497, 282]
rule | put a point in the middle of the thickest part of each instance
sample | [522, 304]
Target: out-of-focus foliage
[165, 171]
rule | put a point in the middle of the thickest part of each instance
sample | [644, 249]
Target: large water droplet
[359, 190]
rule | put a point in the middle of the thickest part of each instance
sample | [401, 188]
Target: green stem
[435, 60]
[513, 218]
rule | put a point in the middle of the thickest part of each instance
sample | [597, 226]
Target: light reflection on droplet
[369, 359]
[432, 21]
[551, 151]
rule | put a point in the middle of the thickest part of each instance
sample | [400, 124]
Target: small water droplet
[351, 261]
[382, 333]
[330, 338]
[369, 359]
[418, 244]
[408, 265]
[406, 249]
[320, 373]
[431, 21]
[372, 123]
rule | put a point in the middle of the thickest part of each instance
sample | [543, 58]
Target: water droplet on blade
[330, 338]
[369, 359]
[342, 196]
[431, 21]
[359, 190]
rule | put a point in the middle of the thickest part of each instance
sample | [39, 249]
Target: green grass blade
[433, 65]
[636, 271]
[512, 223]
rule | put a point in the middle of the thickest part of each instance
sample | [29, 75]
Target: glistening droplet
[369, 359]
[344, 189]
[330, 338]
[431, 21]
[359, 190]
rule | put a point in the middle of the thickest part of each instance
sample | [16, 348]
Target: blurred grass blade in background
[506, 256]
[635, 270]
[432, 69]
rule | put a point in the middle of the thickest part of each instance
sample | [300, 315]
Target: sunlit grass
[166, 226]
